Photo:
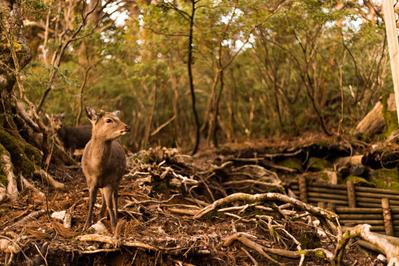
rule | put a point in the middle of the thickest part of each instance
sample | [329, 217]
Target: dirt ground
[159, 199]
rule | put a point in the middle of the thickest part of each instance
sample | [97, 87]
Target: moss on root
[23, 156]
[3, 180]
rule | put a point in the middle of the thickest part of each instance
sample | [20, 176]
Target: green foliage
[286, 68]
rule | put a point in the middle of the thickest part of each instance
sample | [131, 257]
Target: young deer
[71, 137]
[104, 162]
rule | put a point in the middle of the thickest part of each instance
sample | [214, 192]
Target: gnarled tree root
[326, 215]
[245, 239]
[386, 244]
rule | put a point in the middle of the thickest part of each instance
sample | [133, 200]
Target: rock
[60, 215]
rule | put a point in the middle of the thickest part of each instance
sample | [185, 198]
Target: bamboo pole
[303, 193]
[327, 196]
[351, 194]
[393, 46]
[361, 216]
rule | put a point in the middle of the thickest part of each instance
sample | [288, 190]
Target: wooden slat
[386, 208]
[327, 190]
[350, 187]
[377, 190]
[326, 196]
[354, 216]
[315, 200]
[376, 195]
[355, 222]
[358, 210]
[377, 200]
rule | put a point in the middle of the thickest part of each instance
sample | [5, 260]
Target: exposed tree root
[248, 198]
[7, 168]
[245, 239]
[39, 194]
[115, 242]
[384, 243]
[50, 180]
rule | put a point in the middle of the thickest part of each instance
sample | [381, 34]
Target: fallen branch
[24, 220]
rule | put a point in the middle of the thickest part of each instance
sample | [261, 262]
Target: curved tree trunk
[23, 134]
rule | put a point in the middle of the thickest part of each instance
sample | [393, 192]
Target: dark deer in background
[104, 162]
[72, 138]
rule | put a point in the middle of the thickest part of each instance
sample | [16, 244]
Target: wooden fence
[354, 204]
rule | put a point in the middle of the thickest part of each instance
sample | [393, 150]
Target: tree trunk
[374, 122]
[23, 135]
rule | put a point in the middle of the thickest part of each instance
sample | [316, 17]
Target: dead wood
[24, 220]
[374, 122]
[390, 249]
[382, 155]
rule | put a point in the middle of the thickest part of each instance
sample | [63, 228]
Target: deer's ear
[116, 113]
[91, 114]
[62, 116]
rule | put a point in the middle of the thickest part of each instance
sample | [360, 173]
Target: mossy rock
[359, 181]
[317, 164]
[385, 178]
[292, 163]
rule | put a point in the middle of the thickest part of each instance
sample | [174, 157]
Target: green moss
[359, 180]
[292, 163]
[320, 254]
[16, 149]
[385, 178]
[3, 180]
[318, 164]
[33, 153]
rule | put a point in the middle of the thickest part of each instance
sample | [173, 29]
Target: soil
[159, 197]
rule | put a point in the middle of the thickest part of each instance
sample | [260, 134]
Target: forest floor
[163, 215]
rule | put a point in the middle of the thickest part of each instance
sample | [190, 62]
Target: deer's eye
[108, 121]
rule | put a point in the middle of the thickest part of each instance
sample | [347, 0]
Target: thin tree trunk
[190, 77]
[81, 92]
